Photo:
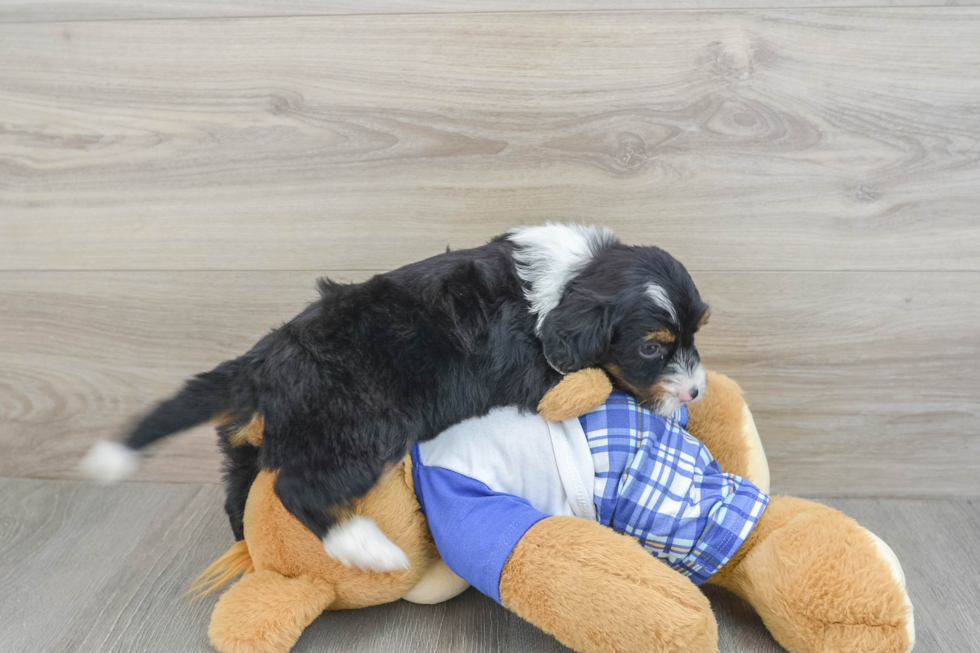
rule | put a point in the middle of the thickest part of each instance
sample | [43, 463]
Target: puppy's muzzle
[689, 395]
[684, 382]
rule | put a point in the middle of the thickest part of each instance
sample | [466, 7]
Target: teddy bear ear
[576, 332]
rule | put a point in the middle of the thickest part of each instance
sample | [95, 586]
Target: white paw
[898, 574]
[358, 542]
[108, 462]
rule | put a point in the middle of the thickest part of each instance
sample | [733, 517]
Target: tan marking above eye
[704, 318]
[661, 335]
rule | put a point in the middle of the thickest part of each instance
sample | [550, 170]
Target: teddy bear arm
[598, 591]
[723, 423]
[576, 394]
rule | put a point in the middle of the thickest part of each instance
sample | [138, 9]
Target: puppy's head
[634, 311]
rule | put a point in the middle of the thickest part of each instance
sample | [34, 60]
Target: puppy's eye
[651, 350]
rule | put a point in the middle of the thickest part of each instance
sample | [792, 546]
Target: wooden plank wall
[170, 189]
[19, 11]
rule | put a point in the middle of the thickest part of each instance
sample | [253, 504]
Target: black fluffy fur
[351, 383]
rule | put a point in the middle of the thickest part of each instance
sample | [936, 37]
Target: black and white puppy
[349, 385]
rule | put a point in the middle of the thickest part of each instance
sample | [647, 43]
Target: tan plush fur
[815, 576]
[233, 562]
[294, 580]
[576, 394]
[278, 542]
[713, 420]
[600, 592]
[818, 582]
[266, 612]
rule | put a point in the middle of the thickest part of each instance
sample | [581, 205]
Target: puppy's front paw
[358, 542]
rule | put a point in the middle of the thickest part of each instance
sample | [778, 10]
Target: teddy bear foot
[266, 612]
[822, 583]
[888, 556]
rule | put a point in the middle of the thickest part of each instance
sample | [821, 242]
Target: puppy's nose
[689, 395]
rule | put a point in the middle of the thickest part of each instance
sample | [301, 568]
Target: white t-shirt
[547, 463]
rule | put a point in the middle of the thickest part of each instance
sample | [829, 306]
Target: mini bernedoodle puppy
[349, 385]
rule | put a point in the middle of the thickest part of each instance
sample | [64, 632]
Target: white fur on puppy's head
[549, 256]
[108, 462]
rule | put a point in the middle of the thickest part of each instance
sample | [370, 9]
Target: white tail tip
[358, 542]
[108, 462]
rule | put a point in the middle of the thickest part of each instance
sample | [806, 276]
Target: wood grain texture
[105, 569]
[85, 353]
[20, 11]
[90, 569]
[861, 383]
[811, 139]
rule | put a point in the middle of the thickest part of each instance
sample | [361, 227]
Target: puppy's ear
[576, 332]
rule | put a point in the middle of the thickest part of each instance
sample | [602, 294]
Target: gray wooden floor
[89, 568]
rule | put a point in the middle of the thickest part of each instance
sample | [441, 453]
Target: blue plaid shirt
[657, 483]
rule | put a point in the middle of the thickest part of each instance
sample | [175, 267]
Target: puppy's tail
[203, 398]
[234, 561]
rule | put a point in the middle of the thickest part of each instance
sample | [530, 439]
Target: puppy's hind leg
[352, 540]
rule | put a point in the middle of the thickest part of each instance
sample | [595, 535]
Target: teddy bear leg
[821, 582]
[266, 612]
[598, 591]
